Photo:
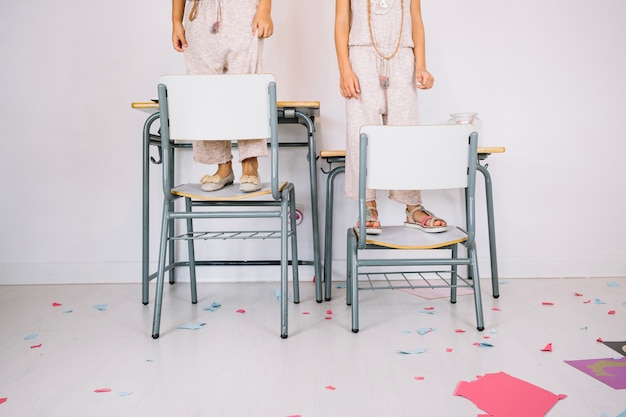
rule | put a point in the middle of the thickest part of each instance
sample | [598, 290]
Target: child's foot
[224, 176]
[250, 180]
[372, 225]
[419, 218]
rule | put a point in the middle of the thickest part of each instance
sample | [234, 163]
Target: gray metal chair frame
[337, 167]
[414, 272]
[278, 202]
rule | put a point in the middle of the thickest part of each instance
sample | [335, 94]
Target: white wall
[546, 77]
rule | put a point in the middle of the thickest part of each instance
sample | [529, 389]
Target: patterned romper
[396, 104]
[234, 49]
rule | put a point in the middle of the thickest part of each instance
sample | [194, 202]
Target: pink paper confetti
[486, 337]
[448, 350]
[429, 308]
[578, 294]
[306, 312]
[586, 302]
[547, 348]
[460, 331]
[329, 311]
[36, 346]
[599, 339]
[295, 415]
[328, 318]
[241, 310]
[611, 311]
[101, 390]
[3, 400]
[547, 303]
[56, 304]
[495, 309]
[418, 378]
[330, 387]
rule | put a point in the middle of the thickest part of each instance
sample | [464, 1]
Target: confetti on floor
[191, 326]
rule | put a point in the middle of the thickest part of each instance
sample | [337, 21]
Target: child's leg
[367, 110]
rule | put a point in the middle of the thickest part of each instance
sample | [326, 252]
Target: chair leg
[192, 255]
[158, 298]
[354, 281]
[284, 285]
[294, 246]
[348, 268]
[478, 303]
[454, 276]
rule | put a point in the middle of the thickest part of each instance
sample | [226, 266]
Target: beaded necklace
[383, 72]
[215, 27]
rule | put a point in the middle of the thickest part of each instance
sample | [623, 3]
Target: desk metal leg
[492, 232]
[145, 241]
[312, 157]
[328, 231]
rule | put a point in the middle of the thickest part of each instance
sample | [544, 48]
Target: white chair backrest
[218, 107]
[417, 157]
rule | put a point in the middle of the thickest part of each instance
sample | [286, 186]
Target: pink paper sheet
[501, 395]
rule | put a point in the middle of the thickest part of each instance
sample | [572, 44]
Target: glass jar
[467, 119]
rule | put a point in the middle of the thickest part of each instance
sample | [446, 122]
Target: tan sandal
[369, 218]
[427, 224]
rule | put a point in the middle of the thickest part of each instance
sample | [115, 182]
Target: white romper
[234, 49]
[396, 104]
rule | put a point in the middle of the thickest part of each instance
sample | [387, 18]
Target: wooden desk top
[481, 150]
[151, 106]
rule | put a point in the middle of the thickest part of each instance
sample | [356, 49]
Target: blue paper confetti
[613, 284]
[124, 393]
[191, 326]
[30, 336]
[278, 295]
[598, 301]
[101, 307]
[412, 351]
[425, 330]
[214, 306]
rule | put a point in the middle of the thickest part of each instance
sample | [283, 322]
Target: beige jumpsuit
[395, 105]
[234, 49]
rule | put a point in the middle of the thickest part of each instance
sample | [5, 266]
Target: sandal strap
[429, 216]
[369, 216]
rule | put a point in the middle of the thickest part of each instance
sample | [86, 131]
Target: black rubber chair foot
[480, 329]
[496, 296]
[355, 330]
[327, 299]
[144, 303]
[319, 301]
[452, 302]
[284, 336]
[155, 336]
[296, 302]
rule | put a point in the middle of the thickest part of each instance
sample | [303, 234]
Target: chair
[414, 158]
[218, 107]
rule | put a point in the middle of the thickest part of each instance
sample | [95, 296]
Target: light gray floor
[237, 365]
